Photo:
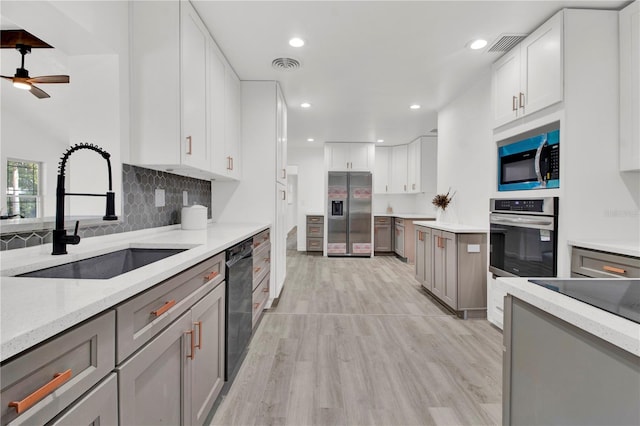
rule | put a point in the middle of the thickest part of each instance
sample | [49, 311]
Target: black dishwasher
[239, 270]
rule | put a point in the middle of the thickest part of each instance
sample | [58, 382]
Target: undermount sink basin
[105, 266]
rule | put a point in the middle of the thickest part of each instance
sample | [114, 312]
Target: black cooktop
[618, 296]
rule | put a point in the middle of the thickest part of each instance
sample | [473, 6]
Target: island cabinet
[452, 267]
[177, 374]
[594, 381]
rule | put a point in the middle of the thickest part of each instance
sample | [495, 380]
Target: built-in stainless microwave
[530, 160]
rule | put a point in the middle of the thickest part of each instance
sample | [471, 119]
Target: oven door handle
[521, 221]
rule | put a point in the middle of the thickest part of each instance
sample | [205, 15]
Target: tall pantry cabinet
[261, 195]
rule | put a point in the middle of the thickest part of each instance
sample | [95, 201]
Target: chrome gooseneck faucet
[60, 237]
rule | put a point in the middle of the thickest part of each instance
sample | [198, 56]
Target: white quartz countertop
[34, 309]
[456, 228]
[315, 213]
[408, 215]
[629, 248]
[614, 329]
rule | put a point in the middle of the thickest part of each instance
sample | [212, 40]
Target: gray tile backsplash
[138, 206]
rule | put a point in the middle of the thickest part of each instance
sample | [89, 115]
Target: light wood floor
[357, 342]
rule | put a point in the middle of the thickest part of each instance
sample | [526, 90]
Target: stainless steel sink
[105, 266]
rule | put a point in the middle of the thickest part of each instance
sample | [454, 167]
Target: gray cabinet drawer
[261, 238]
[596, 264]
[315, 231]
[145, 315]
[382, 220]
[260, 297]
[99, 407]
[399, 221]
[314, 244]
[57, 372]
[314, 220]
[261, 263]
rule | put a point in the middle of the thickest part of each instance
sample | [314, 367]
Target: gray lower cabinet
[424, 258]
[382, 234]
[452, 267]
[41, 383]
[556, 373]
[99, 407]
[398, 240]
[315, 233]
[177, 376]
[599, 264]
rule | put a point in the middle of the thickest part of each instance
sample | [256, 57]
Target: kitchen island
[566, 361]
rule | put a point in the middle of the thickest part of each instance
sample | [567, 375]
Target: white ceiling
[365, 62]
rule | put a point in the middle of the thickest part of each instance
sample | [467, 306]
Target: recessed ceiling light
[380, 140]
[415, 106]
[477, 44]
[305, 105]
[310, 140]
[296, 42]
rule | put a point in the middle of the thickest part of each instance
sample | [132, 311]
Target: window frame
[38, 197]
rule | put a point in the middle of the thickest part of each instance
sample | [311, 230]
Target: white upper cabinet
[407, 169]
[349, 157]
[195, 151]
[630, 87]
[399, 169]
[530, 76]
[414, 159]
[381, 173]
[233, 123]
[185, 97]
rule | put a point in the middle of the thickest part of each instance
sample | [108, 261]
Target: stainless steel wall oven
[524, 237]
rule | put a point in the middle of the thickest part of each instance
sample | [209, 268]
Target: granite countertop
[612, 328]
[34, 309]
[628, 248]
[408, 215]
[452, 227]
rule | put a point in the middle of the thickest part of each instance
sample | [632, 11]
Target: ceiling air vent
[285, 64]
[506, 42]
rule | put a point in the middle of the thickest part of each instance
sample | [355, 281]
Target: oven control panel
[519, 205]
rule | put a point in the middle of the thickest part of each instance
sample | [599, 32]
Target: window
[23, 188]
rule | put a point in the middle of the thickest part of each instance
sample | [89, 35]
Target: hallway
[358, 342]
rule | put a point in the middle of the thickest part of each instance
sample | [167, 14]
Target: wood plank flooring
[357, 342]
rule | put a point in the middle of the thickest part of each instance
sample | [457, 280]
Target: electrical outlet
[160, 197]
[185, 198]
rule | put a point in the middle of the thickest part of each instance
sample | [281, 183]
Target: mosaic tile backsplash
[138, 206]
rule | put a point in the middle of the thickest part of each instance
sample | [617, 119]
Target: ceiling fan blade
[39, 93]
[8, 78]
[50, 79]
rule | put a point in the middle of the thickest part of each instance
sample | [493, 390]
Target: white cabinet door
[281, 138]
[216, 112]
[399, 169]
[381, 170]
[630, 87]
[338, 157]
[194, 145]
[414, 160]
[506, 87]
[541, 65]
[233, 109]
[359, 156]
[280, 241]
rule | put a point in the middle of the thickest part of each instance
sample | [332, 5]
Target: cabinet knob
[199, 325]
[192, 355]
[521, 100]
[514, 103]
[164, 308]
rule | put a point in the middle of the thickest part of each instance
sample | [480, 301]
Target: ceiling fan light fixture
[23, 85]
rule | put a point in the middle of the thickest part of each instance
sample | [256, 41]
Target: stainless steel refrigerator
[349, 214]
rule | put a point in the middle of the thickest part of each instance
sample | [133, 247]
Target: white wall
[465, 154]
[310, 163]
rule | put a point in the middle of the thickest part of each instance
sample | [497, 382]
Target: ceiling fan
[21, 79]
